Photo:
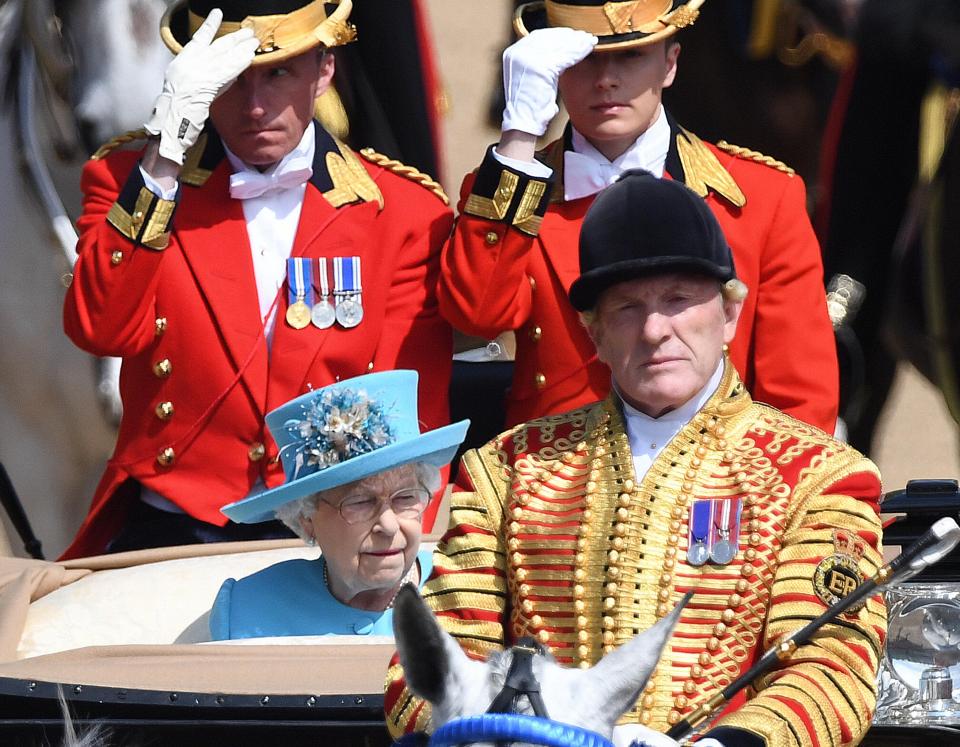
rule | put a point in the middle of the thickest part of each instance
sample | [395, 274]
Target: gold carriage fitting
[285, 28]
[629, 23]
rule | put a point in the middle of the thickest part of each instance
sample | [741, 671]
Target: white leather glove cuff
[204, 68]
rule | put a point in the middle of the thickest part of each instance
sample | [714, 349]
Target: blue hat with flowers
[345, 432]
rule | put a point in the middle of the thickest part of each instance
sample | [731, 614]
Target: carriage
[124, 640]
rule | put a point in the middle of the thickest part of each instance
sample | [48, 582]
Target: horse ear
[428, 654]
[618, 678]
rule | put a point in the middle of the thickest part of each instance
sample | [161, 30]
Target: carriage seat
[166, 601]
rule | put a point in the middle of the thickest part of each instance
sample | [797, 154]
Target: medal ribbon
[346, 276]
[300, 280]
[324, 280]
[729, 519]
[700, 514]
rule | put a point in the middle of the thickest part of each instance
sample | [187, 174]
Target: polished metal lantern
[919, 676]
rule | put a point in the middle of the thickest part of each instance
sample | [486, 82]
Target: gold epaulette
[753, 155]
[407, 172]
[111, 145]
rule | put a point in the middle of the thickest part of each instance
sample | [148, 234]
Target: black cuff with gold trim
[504, 194]
[729, 736]
[140, 215]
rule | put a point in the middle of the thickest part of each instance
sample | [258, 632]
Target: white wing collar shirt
[272, 201]
[587, 171]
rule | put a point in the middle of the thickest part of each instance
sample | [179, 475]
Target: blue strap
[492, 727]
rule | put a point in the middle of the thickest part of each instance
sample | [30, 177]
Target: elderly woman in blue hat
[359, 475]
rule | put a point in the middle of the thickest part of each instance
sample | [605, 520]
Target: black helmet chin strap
[520, 681]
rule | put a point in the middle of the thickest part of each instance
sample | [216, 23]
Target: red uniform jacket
[175, 297]
[506, 268]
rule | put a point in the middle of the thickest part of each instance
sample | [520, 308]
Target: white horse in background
[54, 438]
[438, 670]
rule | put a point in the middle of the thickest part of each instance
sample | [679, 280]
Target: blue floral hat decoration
[345, 432]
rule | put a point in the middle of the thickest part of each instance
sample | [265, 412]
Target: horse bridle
[521, 681]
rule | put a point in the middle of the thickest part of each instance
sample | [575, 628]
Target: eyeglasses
[407, 503]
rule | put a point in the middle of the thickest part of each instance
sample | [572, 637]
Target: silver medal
[322, 314]
[723, 552]
[349, 312]
[698, 553]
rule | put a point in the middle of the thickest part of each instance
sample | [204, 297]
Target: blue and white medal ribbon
[322, 315]
[698, 550]
[299, 292]
[347, 290]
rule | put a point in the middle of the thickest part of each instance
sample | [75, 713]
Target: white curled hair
[428, 477]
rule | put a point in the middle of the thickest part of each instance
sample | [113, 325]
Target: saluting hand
[531, 70]
[204, 68]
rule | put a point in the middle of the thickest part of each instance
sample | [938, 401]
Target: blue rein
[506, 727]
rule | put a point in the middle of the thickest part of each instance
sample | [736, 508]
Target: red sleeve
[794, 351]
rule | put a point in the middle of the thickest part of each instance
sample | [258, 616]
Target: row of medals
[348, 312]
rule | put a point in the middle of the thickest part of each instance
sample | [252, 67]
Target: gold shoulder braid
[753, 155]
[407, 172]
[119, 140]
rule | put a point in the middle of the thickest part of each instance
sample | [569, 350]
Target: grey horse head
[438, 670]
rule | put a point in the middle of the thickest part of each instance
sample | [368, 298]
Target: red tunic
[500, 273]
[221, 380]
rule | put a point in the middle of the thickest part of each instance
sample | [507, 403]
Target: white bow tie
[584, 176]
[247, 184]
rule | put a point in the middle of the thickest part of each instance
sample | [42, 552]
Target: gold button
[543, 636]
[539, 380]
[536, 333]
[160, 325]
[162, 368]
[137, 214]
[492, 237]
[533, 282]
[673, 717]
[256, 451]
[164, 410]
[370, 366]
[66, 280]
[116, 258]
[166, 456]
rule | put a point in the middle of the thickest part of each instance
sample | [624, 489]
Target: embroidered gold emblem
[351, 182]
[703, 172]
[682, 17]
[620, 16]
[835, 577]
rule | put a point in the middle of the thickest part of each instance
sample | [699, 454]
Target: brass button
[116, 258]
[66, 280]
[166, 456]
[159, 326]
[491, 238]
[138, 214]
[533, 282]
[162, 368]
[539, 381]
[536, 333]
[256, 451]
[370, 366]
[164, 410]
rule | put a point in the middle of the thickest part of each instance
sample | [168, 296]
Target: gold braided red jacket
[555, 538]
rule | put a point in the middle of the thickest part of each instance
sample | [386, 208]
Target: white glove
[626, 735]
[531, 69]
[204, 68]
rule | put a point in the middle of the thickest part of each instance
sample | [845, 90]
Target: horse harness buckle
[521, 680]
